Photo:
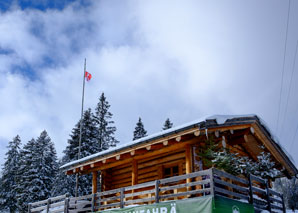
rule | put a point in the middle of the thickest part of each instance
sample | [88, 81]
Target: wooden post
[94, 182]
[188, 162]
[48, 205]
[29, 208]
[212, 190]
[93, 203]
[251, 198]
[66, 205]
[134, 173]
[268, 196]
[122, 198]
[283, 204]
[157, 191]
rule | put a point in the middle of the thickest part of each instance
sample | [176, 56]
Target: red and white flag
[88, 76]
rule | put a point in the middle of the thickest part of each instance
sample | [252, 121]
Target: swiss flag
[88, 76]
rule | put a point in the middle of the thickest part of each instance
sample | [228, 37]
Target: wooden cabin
[166, 166]
[173, 152]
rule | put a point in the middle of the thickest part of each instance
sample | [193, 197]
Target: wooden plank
[39, 202]
[224, 191]
[38, 208]
[275, 193]
[182, 177]
[260, 180]
[227, 175]
[199, 191]
[53, 199]
[140, 193]
[110, 198]
[143, 185]
[255, 189]
[188, 161]
[276, 200]
[162, 160]
[240, 188]
[201, 182]
[53, 205]
[110, 205]
[94, 182]
[57, 210]
[140, 200]
[134, 173]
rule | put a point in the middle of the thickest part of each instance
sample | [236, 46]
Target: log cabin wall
[146, 169]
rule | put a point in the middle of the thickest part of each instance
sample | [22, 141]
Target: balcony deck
[211, 182]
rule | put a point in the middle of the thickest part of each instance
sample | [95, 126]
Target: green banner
[207, 204]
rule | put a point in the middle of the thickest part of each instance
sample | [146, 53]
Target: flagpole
[81, 125]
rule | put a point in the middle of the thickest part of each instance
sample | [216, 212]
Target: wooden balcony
[211, 182]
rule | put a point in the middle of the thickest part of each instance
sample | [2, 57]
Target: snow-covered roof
[201, 123]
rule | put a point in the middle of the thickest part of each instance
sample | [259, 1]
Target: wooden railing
[207, 182]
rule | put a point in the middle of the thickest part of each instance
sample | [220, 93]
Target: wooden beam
[148, 147]
[134, 173]
[94, 182]
[188, 162]
[165, 143]
[178, 138]
[132, 153]
[117, 157]
[197, 133]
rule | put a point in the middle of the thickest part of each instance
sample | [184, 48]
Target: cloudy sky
[153, 59]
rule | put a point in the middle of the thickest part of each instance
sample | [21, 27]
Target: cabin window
[170, 171]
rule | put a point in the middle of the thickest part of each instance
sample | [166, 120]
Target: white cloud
[174, 59]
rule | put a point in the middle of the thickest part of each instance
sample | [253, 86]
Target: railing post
[283, 204]
[99, 202]
[121, 198]
[66, 204]
[29, 208]
[268, 196]
[251, 198]
[48, 205]
[93, 202]
[157, 182]
[212, 189]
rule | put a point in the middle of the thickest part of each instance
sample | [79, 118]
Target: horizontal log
[275, 193]
[39, 202]
[57, 210]
[199, 191]
[255, 189]
[276, 207]
[140, 193]
[38, 209]
[109, 205]
[224, 191]
[139, 200]
[139, 186]
[110, 198]
[240, 188]
[276, 200]
[253, 177]
[53, 199]
[227, 175]
[184, 185]
[162, 160]
[182, 177]
[113, 191]
[61, 203]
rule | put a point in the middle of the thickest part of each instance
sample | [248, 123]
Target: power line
[283, 67]
[297, 108]
[288, 96]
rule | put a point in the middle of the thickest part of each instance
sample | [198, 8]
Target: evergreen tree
[9, 173]
[37, 171]
[26, 175]
[89, 146]
[106, 128]
[167, 125]
[289, 189]
[139, 131]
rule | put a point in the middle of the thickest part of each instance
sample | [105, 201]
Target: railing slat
[240, 188]
[227, 175]
[199, 191]
[227, 192]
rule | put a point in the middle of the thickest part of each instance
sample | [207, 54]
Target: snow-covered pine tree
[89, 146]
[289, 189]
[27, 173]
[139, 131]
[47, 165]
[167, 125]
[8, 183]
[106, 128]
